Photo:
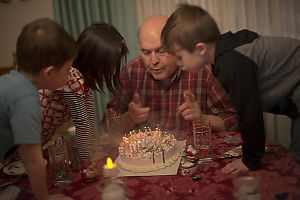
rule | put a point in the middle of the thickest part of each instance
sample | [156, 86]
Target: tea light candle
[110, 169]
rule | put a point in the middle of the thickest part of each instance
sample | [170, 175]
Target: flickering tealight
[110, 169]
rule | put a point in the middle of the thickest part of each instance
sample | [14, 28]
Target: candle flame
[109, 163]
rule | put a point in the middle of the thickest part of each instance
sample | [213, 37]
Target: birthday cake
[148, 151]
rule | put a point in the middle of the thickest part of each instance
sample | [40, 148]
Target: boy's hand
[235, 167]
[136, 112]
[190, 109]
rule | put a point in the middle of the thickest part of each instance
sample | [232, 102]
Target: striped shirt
[213, 100]
[73, 101]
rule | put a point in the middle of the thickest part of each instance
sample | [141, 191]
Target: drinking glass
[113, 121]
[247, 188]
[203, 140]
[59, 162]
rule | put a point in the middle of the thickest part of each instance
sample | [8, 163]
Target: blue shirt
[20, 113]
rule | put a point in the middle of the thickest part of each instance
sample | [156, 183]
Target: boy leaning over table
[45, 52]
[261, 74]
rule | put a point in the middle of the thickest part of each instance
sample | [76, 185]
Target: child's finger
[228, 168]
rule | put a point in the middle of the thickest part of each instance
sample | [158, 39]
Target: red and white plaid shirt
[213, 100]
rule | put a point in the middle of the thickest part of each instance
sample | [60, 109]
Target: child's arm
[36, 168]
[81, 120]
[238, 77]
[91, 111]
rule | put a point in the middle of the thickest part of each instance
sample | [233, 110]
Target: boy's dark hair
[187, 26]
[102, 52]
[44, 43]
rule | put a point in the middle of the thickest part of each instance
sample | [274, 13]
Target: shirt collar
[175, 77]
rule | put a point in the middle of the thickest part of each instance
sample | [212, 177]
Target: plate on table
[237, 152]
[2, 165]
[16, 168]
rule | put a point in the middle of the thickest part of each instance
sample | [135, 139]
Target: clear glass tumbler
[59, 163]
[247, 188]
[112, 120]
[203, 140]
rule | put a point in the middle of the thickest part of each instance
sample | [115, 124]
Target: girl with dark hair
[102, 52]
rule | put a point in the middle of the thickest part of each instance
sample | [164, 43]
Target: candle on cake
[110, 169]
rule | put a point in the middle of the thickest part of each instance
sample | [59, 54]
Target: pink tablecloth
[279, 174]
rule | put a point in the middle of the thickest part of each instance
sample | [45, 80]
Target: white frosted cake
[148, 151]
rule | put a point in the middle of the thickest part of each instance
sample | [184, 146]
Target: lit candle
[127, 146]
[132, 149]
[110, 169]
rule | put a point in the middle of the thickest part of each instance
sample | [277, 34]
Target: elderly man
[156, 91]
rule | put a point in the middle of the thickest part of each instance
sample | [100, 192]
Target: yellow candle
[110, 169]
[109, 163]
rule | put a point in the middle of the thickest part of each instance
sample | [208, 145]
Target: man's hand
[190, 109]
[136, 112]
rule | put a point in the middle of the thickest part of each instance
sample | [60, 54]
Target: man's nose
[154, 58]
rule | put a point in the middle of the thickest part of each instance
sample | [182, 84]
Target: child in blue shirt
[261, 74]
[45, 53]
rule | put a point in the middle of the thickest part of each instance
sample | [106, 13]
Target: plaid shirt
[164, 103]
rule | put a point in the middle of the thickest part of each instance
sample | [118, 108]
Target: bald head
[157, 61]
[151, 28]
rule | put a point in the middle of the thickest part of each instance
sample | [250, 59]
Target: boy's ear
[48, 72]
[201, 48]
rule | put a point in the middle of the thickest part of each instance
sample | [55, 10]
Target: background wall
[13, 16]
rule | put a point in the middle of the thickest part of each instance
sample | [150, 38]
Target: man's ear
[201, 48]
[48, 72]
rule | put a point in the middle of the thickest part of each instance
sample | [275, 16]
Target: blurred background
[267, 17]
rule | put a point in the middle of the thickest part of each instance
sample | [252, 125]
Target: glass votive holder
[246, 187]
